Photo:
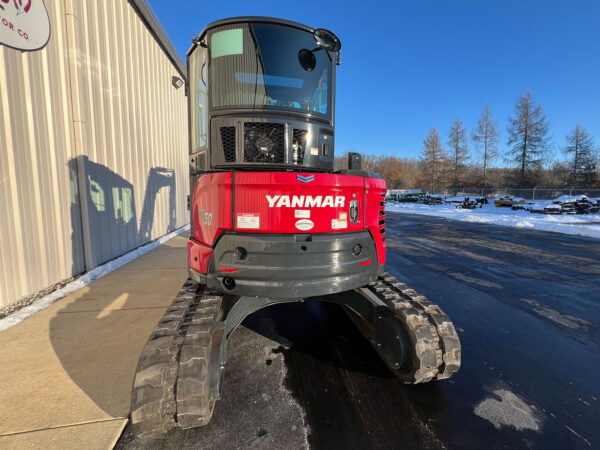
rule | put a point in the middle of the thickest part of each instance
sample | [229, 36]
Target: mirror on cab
[325, 39]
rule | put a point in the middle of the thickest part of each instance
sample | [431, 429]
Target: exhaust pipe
[228, 283]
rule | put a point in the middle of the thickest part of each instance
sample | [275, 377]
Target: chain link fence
[529, 194]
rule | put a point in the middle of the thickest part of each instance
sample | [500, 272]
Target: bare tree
[433, 158]
[485, 137]
[397, 172]
[580, 147]
[391, 170]
[412, 172]
[527, 139]
[459, 151]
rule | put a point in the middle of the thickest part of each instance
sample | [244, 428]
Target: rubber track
[171, 382]
[436, 344]
[170, 385]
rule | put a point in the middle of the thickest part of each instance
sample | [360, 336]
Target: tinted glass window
[199, 98]
[256, 66]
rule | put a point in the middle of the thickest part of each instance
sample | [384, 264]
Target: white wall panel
[93, 146]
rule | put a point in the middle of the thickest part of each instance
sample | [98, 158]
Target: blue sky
[408, 66]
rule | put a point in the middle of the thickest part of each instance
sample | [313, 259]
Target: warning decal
[302, 213]
[248, 221]
[337, 224]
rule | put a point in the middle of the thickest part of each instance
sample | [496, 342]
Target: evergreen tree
[527, 140]
[485, 138]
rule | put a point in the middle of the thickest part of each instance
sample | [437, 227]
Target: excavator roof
[246, 19]
[263, 19]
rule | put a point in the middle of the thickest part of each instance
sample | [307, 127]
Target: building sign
[24, 24]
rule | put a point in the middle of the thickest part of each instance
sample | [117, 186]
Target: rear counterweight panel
[293, 265]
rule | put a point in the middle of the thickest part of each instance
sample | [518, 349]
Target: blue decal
[306, 179]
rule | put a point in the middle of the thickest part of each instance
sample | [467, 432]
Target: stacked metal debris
[565, 204]
[509, 201]
[577, 204]
[431, 199]
[468, 202]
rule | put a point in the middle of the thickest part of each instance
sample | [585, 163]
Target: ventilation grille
[382, 216]
[228, 141]
[298, 145]
[264, 142]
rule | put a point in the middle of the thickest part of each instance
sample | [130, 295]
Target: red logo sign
[20, 7]
[24, 24]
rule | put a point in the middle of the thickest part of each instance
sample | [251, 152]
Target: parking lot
[527, 308]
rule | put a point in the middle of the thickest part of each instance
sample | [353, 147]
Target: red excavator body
[272, 222]
[297, 234]
[270, 217]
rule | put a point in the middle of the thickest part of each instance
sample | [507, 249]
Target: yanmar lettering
[306, 201]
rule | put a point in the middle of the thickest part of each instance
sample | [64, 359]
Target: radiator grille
[228, 141]
[264, 142]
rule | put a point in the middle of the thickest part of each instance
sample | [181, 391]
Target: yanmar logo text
[306, 201]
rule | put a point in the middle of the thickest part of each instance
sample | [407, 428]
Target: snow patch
[84, 280]
[524, 224]
[507, 409]
[286, 393]
[580, 224]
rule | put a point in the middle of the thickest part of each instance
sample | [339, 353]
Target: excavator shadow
[318, 331]
[341, 383]
[104, 219]
[98, 332]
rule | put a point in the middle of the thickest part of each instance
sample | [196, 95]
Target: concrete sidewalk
[66, 372]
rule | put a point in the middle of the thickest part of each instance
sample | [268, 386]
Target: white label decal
[337, 224]
[343, 216]
[302, 213]
[305, 224]
[248, 220]
[314, 151]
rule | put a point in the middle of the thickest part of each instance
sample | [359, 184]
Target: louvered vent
[228, 141]
[382, 216]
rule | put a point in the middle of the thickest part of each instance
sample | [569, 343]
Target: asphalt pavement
[527, 308]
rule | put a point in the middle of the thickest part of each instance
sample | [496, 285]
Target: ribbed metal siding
[88, 126]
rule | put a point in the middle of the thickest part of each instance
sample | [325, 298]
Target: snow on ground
[583, 225]
[84, 280]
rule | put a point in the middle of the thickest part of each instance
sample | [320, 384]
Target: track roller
[435, 345]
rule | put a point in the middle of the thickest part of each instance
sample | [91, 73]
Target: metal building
[93, 143]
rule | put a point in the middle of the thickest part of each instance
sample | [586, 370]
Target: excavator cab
[273, 104]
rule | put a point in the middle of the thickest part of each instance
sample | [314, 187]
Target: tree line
[527, 158]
